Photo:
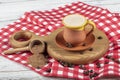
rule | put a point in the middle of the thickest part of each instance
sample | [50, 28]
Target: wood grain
[99, 48]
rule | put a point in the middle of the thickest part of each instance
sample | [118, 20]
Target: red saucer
[82, 46]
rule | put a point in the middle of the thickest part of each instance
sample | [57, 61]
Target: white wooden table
[11, 10]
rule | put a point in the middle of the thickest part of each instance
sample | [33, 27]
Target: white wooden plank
[5, 23]
[2, 1]
[12, 11]
[25, 75]
[15, 71]
[10, 65]
[14, 7]
[17, 9]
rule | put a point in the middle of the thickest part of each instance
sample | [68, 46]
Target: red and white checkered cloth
[44, 22]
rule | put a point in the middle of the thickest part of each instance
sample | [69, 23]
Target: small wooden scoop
[36, 47]
[28, 48]
[37, 60]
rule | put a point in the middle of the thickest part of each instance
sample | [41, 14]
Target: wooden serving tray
[96, 51]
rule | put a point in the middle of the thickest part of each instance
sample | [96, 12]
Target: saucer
[79, 47]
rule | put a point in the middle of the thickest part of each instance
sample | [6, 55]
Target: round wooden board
[97, 50]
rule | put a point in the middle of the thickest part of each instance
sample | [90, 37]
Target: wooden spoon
[27, 48]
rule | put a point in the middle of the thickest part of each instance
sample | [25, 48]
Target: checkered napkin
[42, 23]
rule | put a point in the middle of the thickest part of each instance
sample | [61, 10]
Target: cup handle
[93, 27]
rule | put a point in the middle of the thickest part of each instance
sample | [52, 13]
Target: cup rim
[80, 27]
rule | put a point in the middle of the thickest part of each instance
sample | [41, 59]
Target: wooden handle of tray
[14, 39]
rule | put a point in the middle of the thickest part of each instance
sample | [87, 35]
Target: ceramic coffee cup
[75, 26]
